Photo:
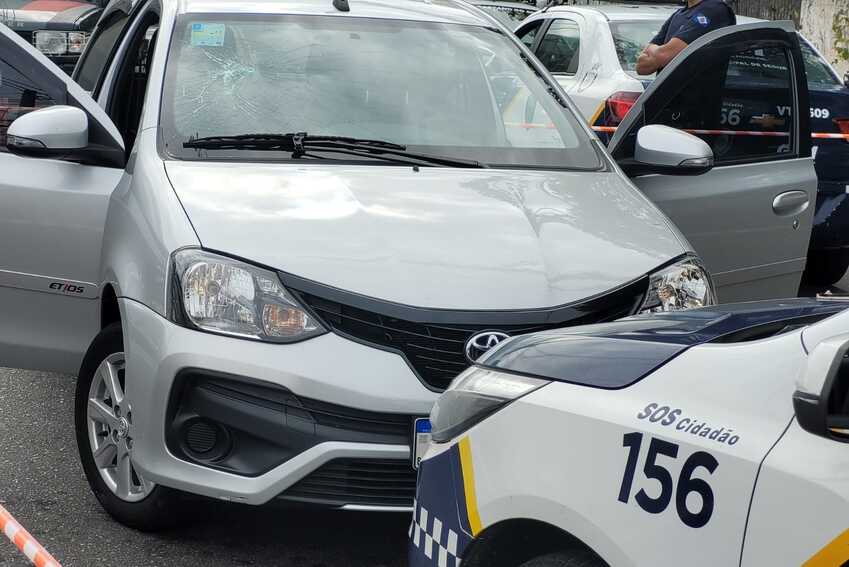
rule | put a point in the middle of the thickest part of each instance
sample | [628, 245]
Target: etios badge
[482, 342]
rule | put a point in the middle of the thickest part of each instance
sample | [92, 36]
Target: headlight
[59, 42]
[685, 284]
[472, 396]
[216, 294]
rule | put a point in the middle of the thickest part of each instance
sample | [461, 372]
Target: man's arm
[656, 57]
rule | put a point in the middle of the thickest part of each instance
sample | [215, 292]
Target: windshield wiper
[300, 143]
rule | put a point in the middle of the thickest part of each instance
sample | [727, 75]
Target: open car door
[740, 89]
[52, 210]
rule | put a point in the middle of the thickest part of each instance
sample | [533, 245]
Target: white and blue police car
[709, 437]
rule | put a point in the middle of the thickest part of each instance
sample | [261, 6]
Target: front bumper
[336, 371]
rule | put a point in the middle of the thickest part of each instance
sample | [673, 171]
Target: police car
[715, 437]
[592, 51]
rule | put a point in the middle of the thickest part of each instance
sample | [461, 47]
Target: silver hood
[438, 238]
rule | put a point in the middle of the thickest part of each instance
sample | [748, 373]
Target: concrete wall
[818, 19]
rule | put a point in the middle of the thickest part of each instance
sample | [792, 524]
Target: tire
[571, 558]
[144, 506]
[826, 267]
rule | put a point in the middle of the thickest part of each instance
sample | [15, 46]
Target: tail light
[843, 125]
[618, 106]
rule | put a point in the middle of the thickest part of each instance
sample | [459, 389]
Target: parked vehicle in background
[510, 14]
[592, 51]
[57, 28]
[676, 438]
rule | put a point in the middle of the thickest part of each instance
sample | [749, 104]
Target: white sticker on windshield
[207, 35]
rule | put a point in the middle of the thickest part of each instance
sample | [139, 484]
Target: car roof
[439, 11]
[632, 11]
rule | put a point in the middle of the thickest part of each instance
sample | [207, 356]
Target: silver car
[266, 235]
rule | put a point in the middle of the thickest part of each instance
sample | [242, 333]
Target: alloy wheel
[110, 431]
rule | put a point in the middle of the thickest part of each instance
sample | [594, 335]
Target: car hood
[437, 238]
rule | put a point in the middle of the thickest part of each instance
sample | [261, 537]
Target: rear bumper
[282, 431]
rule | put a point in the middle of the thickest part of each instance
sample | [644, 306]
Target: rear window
[630, 38]
[818, 71]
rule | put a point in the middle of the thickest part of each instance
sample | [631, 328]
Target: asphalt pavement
[42, 485]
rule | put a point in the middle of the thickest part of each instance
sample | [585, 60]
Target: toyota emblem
[482, 342]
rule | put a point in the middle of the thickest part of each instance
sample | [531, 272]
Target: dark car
[828, 256]
[57, 28]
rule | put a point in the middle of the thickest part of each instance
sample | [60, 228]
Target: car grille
[362, 482]
[433, 341]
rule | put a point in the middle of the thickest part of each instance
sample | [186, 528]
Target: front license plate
[421, 439]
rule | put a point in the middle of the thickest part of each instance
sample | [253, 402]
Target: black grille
[364, 482]
[393, 425]
[433, 341]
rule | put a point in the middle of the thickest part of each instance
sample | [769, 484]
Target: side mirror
[846, 78]
[55, 131]
[821, 400]
[662, 149]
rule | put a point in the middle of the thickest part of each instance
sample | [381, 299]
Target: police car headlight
[474, 395]
[220, 295]
[683, 285]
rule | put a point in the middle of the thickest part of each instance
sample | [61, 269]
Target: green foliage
[840, 26]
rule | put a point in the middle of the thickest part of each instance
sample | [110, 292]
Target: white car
[592, 52]
[712, 437]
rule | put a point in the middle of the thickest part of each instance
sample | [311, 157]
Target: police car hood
[29, 15]
[618, 354]
[445, 238]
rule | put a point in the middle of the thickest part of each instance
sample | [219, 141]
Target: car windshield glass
[816, 69]
[630, 38]
[457, 91]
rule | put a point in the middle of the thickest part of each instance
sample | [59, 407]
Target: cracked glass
[444, 89]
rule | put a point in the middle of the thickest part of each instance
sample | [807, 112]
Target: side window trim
[543, 29]
[114, 65]
[92, 41]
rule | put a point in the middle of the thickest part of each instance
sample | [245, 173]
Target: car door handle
[790, 203]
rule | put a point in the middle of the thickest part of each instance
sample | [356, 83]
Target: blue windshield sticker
[207, 35]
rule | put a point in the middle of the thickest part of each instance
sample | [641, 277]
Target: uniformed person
[682, 28]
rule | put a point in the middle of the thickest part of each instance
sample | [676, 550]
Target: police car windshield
[449, 90]
[630, 38]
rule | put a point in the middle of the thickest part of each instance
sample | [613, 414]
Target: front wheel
[104, 429]
[571, 558]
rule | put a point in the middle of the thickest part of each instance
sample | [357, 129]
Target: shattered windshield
[450, 90]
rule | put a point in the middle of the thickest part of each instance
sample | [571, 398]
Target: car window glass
[126, 99]
[101, 46]
[630, 38]
[740, 106]
[529, 34]
[560, 47]
[816, 69]
[351, 77]
[18, 96]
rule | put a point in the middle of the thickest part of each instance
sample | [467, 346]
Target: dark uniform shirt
[689, 24]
